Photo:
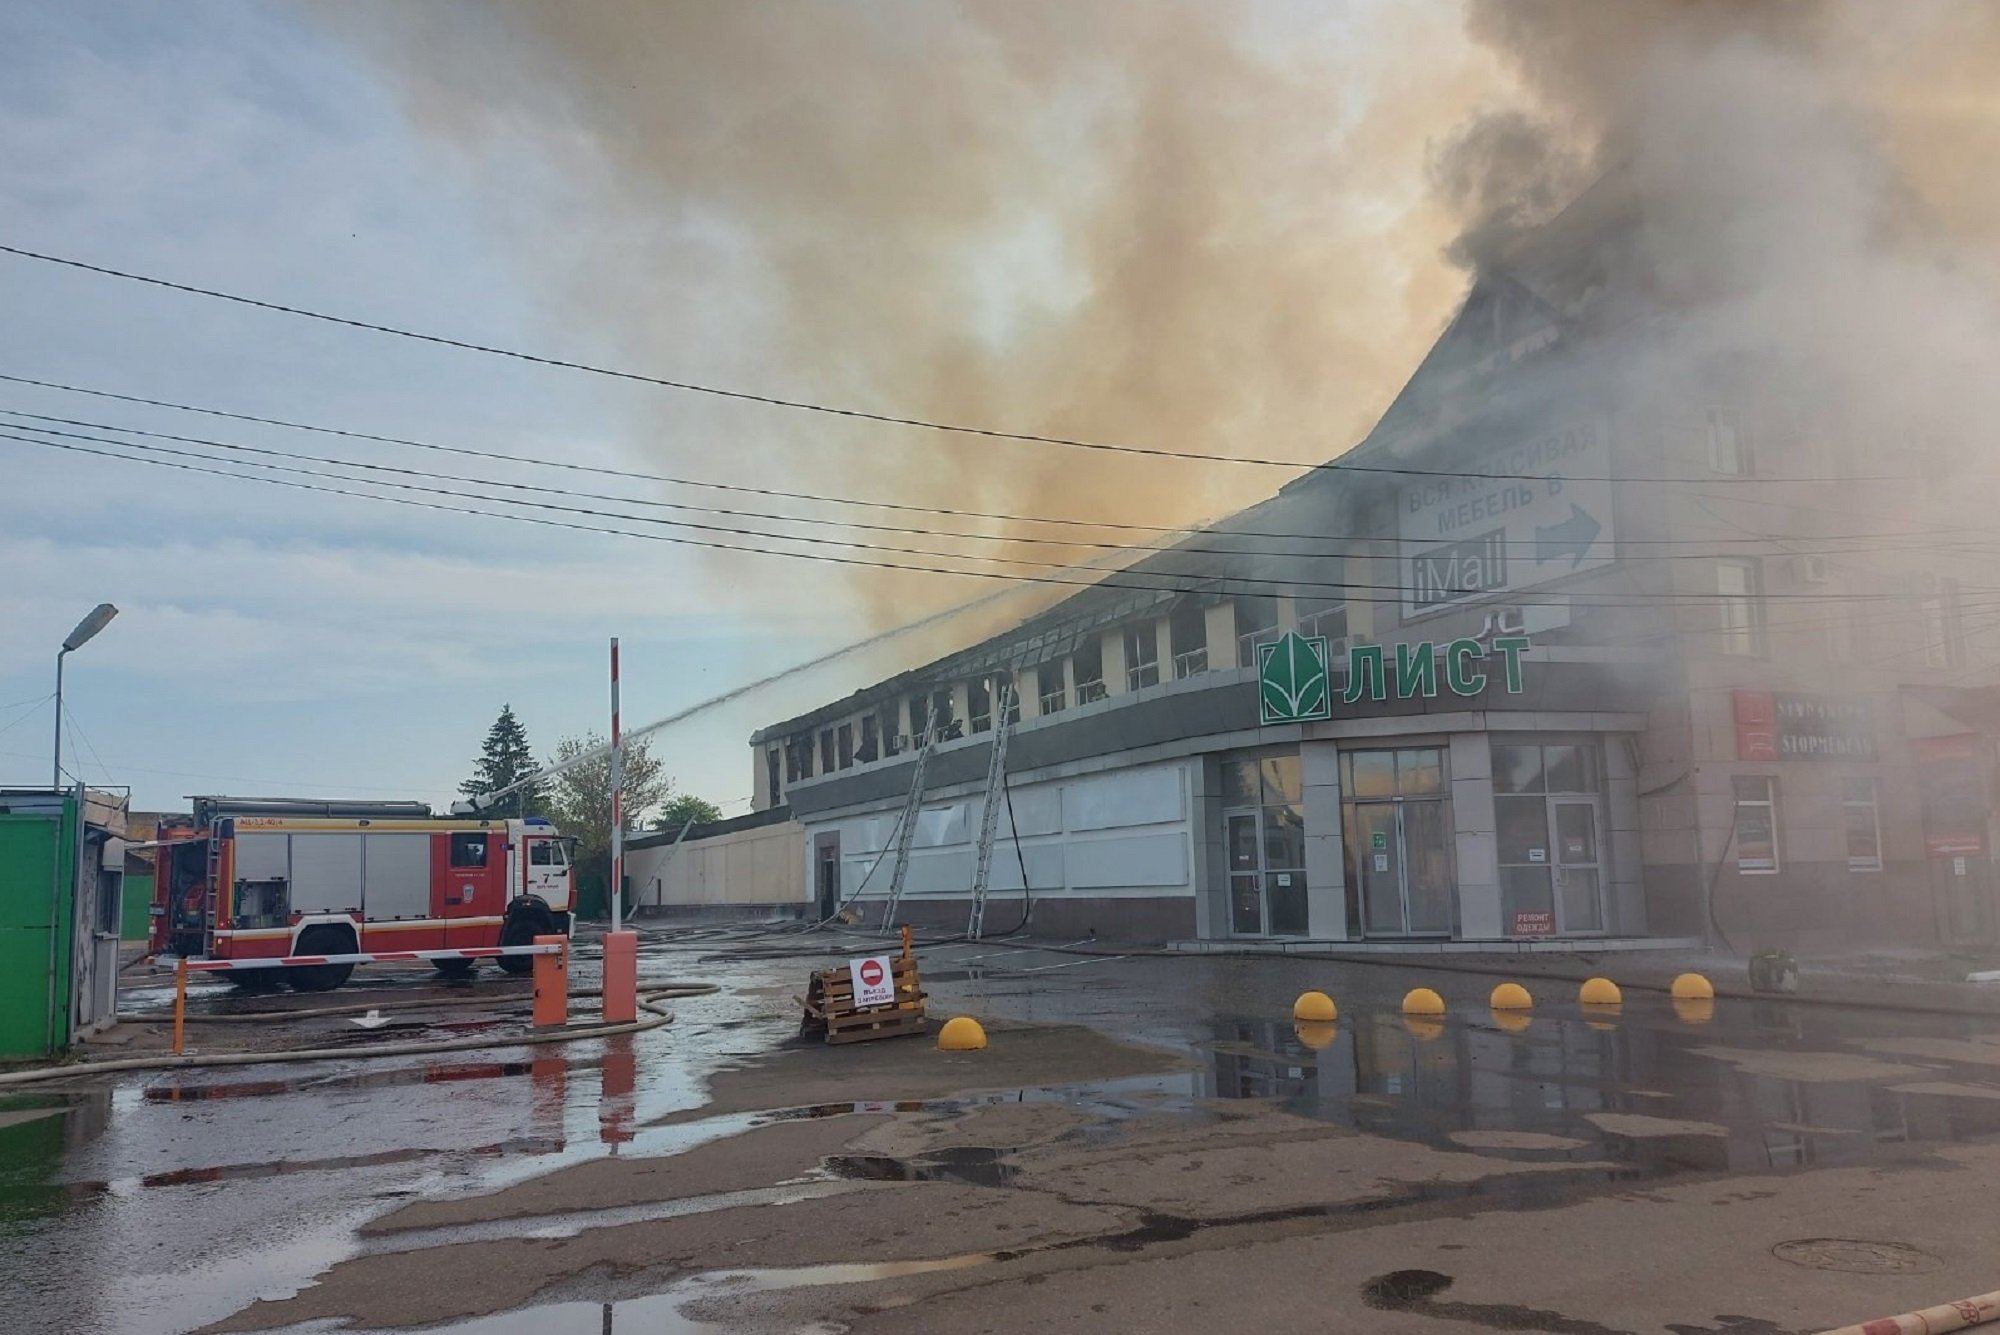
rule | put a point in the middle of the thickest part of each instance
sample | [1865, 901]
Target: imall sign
[1525, 514]
[1295, 680]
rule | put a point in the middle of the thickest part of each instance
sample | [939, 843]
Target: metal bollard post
[621, 977]
[552, 983]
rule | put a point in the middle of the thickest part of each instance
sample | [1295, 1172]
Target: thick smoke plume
[1165, 223]
[1206, 227]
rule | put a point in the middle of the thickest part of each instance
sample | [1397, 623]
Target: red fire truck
[258, 878]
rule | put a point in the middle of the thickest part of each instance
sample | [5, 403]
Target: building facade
[1615, 640]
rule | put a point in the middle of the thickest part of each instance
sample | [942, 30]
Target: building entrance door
[1267, 878]
[1405, 868]
[1579, 877]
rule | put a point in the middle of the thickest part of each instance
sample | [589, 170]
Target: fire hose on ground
[1976, 1311]
[650, 995]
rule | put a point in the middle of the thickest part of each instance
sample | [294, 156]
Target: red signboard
[1527, 923]
[1756, 726]
[1952, 785]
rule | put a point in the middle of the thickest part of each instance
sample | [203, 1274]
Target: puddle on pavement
[974, 1165]
[662, 1314]
[1559, 1072]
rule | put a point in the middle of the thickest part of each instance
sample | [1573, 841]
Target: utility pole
[617, 802]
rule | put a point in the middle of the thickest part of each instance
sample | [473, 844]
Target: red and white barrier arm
[378, 957]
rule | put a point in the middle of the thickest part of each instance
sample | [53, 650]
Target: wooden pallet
[829, 1008]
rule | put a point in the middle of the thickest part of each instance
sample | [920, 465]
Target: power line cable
[831, 410]
[1203, 581]
[1217, 529]
[1176, 549]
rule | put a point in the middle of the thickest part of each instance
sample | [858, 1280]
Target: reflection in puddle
[661, 1314]
[1570, 1078]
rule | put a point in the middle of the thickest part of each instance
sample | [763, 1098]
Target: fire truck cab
[265, 878]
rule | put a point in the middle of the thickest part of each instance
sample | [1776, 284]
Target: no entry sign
[874, 981]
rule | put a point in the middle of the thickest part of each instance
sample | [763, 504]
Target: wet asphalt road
[162, 1201]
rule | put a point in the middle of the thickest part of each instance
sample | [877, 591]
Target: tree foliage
[684, 807]
[504, 759]
[579, 799]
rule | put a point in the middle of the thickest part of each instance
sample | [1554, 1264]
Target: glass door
[1427, 887]
[1243, 844]
[1379, 851]
[1579, 879]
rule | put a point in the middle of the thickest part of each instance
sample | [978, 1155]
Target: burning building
[1610, 629]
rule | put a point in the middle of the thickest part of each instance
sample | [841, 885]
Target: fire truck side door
[473, 885]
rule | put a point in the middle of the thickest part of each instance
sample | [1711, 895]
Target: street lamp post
[98, 618]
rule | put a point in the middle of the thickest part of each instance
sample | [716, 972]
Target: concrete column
[1069, 682]
[1620, 858]
[1326, 862]
[1112, 647]
[1478, 846]
[1211, 874]
[1163, 641]
[1222, 636]
[761, 795]
[1028, 683]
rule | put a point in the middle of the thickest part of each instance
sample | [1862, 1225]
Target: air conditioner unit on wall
[1812, 569]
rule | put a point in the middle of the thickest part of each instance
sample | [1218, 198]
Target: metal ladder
[215, 893]
[906, 828]
[989, 824]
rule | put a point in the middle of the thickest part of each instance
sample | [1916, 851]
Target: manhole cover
[1854, 1257]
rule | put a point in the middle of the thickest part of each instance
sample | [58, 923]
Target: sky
[276, 641]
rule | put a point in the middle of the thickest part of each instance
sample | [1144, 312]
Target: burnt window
[870, 740]
[886, 725]
[844, 743]
[1088, 661]
[826, 764]
[771, 772]
[1142, 656]
[1049, 685]
[979, 705]
[1011, 694]
[469, 850]
[948, 726]
[1187, 637]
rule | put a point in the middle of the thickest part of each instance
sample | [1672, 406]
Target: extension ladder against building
[989, 824]
[906, 828]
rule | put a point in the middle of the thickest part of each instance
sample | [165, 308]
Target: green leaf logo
[1292, 683]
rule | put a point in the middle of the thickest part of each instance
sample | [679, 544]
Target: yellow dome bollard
[1315, 1008]
[1600, 992]
[1422, 1001]
[1693, 987]
[1694, 1010]
[1316, 1034]
[1511, 997]
[1513, 1022]
[961, 1033]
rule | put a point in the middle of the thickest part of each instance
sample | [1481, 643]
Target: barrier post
[180, 1003]
[621, 977]
[552, 983]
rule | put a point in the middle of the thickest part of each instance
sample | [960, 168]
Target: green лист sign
[1293, 683]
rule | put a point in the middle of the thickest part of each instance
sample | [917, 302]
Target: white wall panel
[1159, 860]
[1122, 798]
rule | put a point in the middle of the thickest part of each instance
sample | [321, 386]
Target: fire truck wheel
[322, 977]
[455, 970]
[527, 918]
